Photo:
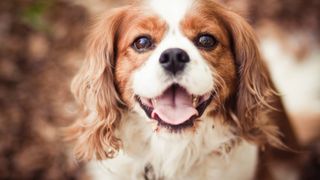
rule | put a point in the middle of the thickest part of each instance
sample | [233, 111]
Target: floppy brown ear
[93, 87]
[256, 96]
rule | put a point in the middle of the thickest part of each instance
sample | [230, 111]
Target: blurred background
[42, 44]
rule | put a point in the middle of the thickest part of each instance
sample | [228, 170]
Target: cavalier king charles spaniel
[177, 89]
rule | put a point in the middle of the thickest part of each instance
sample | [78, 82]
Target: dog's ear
[94, 88]
[255, 96]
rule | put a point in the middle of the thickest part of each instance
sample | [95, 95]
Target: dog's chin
[175, 109]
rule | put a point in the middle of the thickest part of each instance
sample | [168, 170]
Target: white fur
[180, 156]
[150, 80]
[171, 11]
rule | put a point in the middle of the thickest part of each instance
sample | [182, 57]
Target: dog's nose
[174, 60]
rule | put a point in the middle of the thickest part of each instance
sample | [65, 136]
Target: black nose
[174, 60]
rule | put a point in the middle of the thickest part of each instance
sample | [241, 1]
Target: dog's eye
[206, 41]
[142, 44]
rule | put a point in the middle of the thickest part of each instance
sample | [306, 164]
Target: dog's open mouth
[175, 109]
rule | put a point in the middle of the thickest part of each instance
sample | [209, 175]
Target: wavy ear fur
[255, 96]
[93, 87]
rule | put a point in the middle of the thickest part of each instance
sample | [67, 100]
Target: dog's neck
[173, 155]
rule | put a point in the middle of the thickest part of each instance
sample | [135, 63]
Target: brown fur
[255, 91]
[220, 58]
[128, 59]
[93, 88]
[246, 89]
[105, 71]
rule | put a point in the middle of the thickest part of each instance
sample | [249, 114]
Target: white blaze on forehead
[172, 11]
[150, 80]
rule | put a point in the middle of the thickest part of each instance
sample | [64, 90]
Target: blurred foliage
[33, 14]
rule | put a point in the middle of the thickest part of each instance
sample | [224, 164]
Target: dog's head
[171, 62]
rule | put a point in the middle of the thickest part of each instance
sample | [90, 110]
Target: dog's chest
[211, 154]
[240, 165]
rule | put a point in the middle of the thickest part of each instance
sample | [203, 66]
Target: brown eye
[142, 44]
[206, 41]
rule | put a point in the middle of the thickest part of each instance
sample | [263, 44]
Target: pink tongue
[174, 106]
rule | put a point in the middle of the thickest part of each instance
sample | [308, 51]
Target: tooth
[195, 100]
[154, 101]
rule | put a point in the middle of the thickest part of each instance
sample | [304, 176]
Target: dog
[178, 90]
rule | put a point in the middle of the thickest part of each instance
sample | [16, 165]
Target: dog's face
[172, 62]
